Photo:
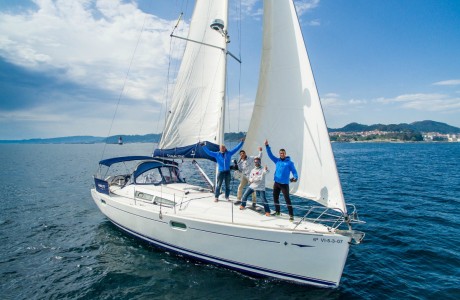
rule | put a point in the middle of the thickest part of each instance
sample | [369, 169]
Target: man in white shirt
[245, 165]
[257, 185]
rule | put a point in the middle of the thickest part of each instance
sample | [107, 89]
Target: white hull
[222, 234]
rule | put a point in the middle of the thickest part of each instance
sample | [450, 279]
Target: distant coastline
[423, 131]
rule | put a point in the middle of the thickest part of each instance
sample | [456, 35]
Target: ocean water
[55, 244]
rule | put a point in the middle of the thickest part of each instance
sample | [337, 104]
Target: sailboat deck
[193, 203]
[226, 211]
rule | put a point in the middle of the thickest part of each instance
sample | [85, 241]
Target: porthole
[178, 225]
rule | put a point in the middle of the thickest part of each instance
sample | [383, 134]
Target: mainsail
[287, 109]
[197, 109]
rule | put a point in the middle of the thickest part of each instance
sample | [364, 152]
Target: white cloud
[421, 106]
[252, 8]
[74, 115]
[334, 105]
[425, 102]
[90, 42]
[248, 8]
[333, 95]
[302, 6]
[30, 115]
[334, 101]
[411, 97]
[448, 82]
[314, 23]
[331, 100]
[357, 102]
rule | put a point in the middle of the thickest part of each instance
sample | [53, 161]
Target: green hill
[421, 126]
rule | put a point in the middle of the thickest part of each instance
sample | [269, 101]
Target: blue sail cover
[110, 161]
[193, 151]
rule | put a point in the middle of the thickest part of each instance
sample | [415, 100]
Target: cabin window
[150, 176]
[163, 202]
[144, 196]
[178, 225]
[170, 175]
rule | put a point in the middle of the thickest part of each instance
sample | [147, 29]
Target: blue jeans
[221, 176]
[260, 194]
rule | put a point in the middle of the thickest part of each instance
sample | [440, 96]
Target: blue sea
[55, 244]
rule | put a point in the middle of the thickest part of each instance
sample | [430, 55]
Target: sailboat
[154, 203]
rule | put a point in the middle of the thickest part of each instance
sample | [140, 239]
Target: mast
[221, 28]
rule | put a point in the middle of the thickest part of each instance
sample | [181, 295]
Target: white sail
[196, 112]
[287, 109]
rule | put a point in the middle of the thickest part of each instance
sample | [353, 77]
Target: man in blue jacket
[284, 168]
[223, 158]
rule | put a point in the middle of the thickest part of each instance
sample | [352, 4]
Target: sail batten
[288, 111]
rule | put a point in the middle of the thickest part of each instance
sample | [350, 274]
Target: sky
[104, 67]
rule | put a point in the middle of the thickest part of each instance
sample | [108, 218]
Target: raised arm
[209, 152]
[269, 152]
[260, 154]
[238, 147]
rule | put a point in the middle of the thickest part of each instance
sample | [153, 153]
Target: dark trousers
[277, 188]
[223, 176]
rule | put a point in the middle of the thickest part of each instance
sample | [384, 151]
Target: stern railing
[335, 220]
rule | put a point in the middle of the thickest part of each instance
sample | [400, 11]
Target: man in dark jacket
[284, 168]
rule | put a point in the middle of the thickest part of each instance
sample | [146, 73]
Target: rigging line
[238, 9]
[124, 83]
[239, 76]
[186, 5]
[239, 31]
[175, 66]
[166, 93]
[177, 23]
[228, 105]
[239, 99]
